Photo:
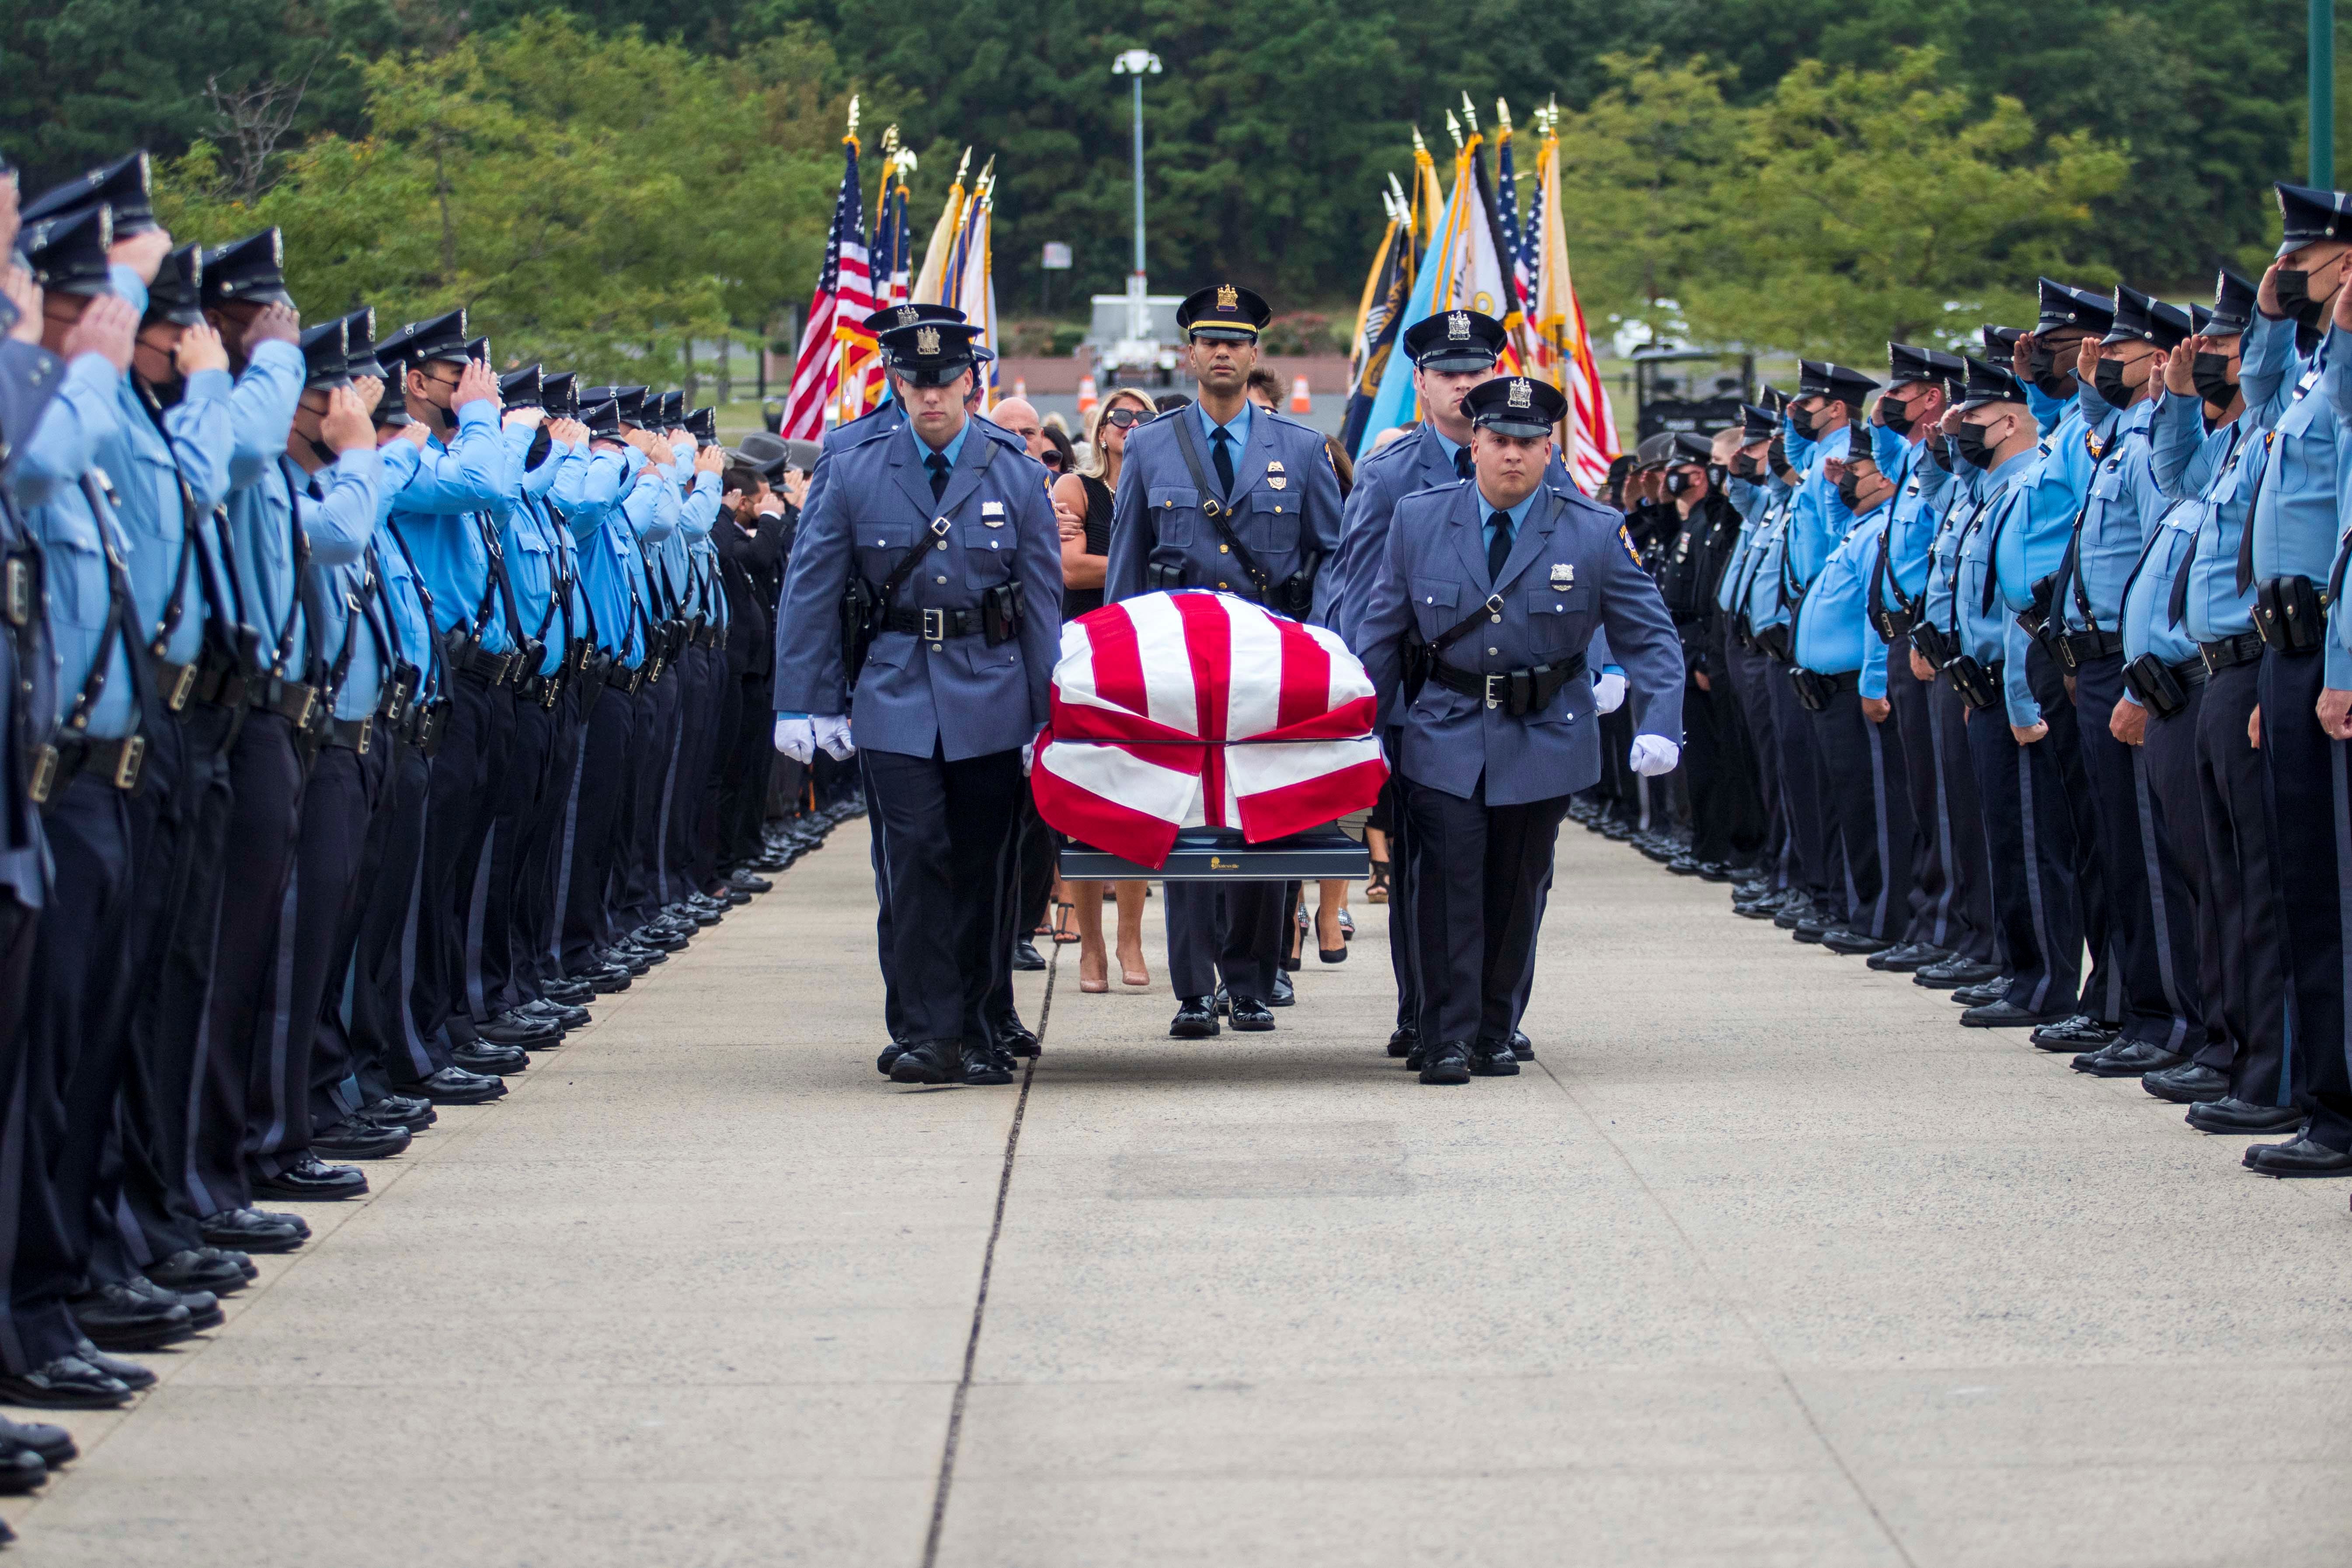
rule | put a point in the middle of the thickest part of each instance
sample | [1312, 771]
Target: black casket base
[1221, 855]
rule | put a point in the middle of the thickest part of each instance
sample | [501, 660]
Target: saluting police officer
[1244, 501]
[932, 553]
[1480, 618]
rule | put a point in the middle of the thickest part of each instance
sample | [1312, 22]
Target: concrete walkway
[1765, 1261]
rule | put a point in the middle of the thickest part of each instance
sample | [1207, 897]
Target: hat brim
[2222, 327]
[1521, 426]
[1456, 359]
[1987, 403]
[931, 375]
[1221, 334]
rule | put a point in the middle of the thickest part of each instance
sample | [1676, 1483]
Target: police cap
[391, 406]
[907, 315]
[628, 401]
[667, 413]
[2000, 343]
[323, 360]
[1690, 448]
[702, 424]
[248, 271]
[1514, 406]
[1989, 383]
[560, 395]
[67, 255]
[2064, 306]
[478, 348]
[121, 185]
[1757, 423]
[1906, 364]
[2310, 216]
[359, 344]
[931, 354]
[600, 414]
[524, 388]
[1224, 312]
[1655, 450]
[2234, 305]
[441, 340]
[1454, 339]
[177, 294]
[1819, 378]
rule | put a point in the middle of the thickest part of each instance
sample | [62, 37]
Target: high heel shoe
[1377, 890]
[1134, 975]
[1065, 929]
[1096, 982]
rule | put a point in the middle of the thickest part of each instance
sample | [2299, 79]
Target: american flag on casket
[1180, 709]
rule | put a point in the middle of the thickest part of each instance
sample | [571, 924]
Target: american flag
[1177, 709]
[838, 355]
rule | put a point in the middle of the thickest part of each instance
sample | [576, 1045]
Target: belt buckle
[309, 705]
[44, 775]
[367, 729]
[935, 626]
[181, 689]
[1499, 689]
[19, 590]
[2206, 656]
[127, 762]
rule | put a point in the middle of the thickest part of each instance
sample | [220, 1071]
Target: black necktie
[1220, 453]
[2178, 605]
[1498, 548]
[2246, 539]
[937, 463]
[1461, 462]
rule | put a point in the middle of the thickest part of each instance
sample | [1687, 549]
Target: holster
[1774, 644]
[1812, 692]
[2158, 690]
[1000, 613]
[1160, 578]
[1974, 682]
[2289, 615]
[1934, 643]
[858, 606]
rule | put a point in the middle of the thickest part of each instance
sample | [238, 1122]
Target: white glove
[1653, 755]
[1028, 757]
[1608, 692]
[796, 738]
[833, 734]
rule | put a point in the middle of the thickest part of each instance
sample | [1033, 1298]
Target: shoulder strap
[1215, 509]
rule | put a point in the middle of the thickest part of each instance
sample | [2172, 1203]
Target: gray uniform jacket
[1570, 574]
[1286, 503]
[957, 695]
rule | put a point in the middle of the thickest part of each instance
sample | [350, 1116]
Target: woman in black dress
[1082, 501]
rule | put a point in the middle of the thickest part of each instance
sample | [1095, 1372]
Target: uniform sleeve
[470, 475]
[2266, 355]
[1642, 639]
[1130, 531]
[514, 444]
[1378, 636]
[2175, 435]
[197, 429]
[2047, 410]
[699, 509]
[261, 411]
[1041, 598]
[79, 420]
[1338, 598]
[341, 523]
[1799, 448]
[809, 674]
[2016, 642]
[2338, 648]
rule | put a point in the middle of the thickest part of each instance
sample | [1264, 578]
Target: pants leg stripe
[1883, 829]
[281, 1015]
[2162, 927]
[1944, 894]
[2034, 890]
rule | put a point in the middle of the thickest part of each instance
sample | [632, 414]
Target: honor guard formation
[371, 713]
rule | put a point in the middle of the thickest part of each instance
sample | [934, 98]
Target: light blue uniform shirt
[1238, 428]
[1817, 518]
[1987, 634]
[343, 499]
[2298, 401]
[1834, 635]
[1517, 514]
[437, 515]
[2213, 608]
[2119, 517]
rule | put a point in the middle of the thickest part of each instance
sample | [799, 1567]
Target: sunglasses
[1051, 458]
[1126, 417]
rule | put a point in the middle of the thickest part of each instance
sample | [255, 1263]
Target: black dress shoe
[1992, 991]
[2191, 1083]
[1794, 907]
[562, 1014]
[2233, 1115]
[2300, 1157]
[198, 1268]
[1402, 1039]
[607, 978]
[1854, 943]
[203, 1308]
[1907, 958]
[1956, 972]
[2126, 1058]
[520, 1030]
[984, 1067]
[1017, 1039]
[1196, 1018]
[1713, 871]
[1493, 1059]
[890, 1053]
[312, 1180]
[2075, 1032]
[2005, 1015]
[928, 1061]
[490, 1060]
[455, 1086]
[129, 1373]
[658, 938]
[21, 1469]
[1813, 928]
[1251, 1015]
[120, 1318]
[749, 882]
[1522, 1049]
[55, 1445]
[67, 1383]
[1025, 955]
[1448, 1061]
[1683, 865]
[250, 1230]
[359, 1138]
[571, 993]
[1284, 993]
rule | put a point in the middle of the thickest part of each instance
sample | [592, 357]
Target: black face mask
[1849, 489]
[1678, 483]
[2216, 378]
[1970, 440]
[1803, 420]
[1744, 467]
[541, 441]
[1716, 475]
[1776, 456]
[320, 449]
[1895, 417]
[2041, 369]
[2294, 298]
[2108, 375]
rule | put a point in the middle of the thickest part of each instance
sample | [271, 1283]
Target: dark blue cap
[324, 360]
[1514, 406]
[702, 424]
[1906, 362]
[628, 401]
[359, 344]
[439, 339]
[1819, 378]
[524, 388]
[931, 354]
[2064, 306]
[2234, 305]
[67, 255]
[2309, 216]
[600, 414]
[1757, 423]
[1454, 339]
[121, 184]
[248, 271]
[1224, 312]
[560, 393]
[2000, 341]
[1989, 383]
[177, 294]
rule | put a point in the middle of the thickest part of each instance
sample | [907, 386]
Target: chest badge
[992, 512]
[1275, 481]
[1273, 468]
[1563, 577]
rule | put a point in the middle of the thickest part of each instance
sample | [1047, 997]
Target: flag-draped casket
[1184, 709]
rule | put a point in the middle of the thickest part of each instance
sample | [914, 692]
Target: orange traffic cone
[1087, 397]
[1301, 401]
[1020, 388]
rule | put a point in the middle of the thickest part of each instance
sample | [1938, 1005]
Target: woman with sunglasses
[1083, 503]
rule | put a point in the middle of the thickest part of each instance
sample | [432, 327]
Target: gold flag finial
[1503, 112]
[963, 165]
[1418, 144]
[1469, 113]
[853, 114]
[1454, 128]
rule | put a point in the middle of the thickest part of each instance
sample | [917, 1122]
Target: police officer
[1753, 486]
[934, 549]
[1243, 501]
[2151, 908]
[1496, 708]
[1725, 814]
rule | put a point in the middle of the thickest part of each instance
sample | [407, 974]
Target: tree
[593, 201]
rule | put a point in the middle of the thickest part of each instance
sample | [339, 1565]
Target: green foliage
[594, 200]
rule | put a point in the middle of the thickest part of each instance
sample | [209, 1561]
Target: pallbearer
[1244, 501]
[1479, 617]
[933, 547]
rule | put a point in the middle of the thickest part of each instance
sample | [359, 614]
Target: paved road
[1768, 1263]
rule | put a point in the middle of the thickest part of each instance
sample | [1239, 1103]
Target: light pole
[1139, 63]
[2321, 49]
